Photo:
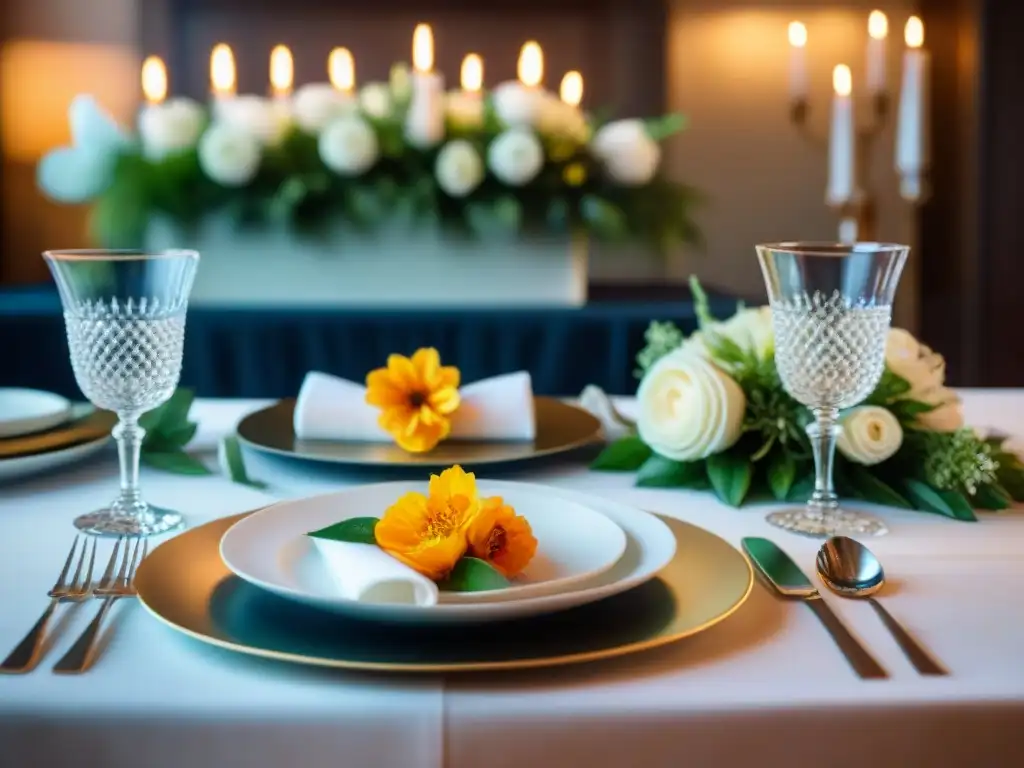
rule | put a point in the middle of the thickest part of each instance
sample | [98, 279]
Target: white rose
[464, 110]
[516, 156]
[170, 127]
[948, 415]
[315, 105]
[229, 155]
[751, 329]
[688, 409]
[909, 359]
[261, 118]
[348, 146]
[516, 105]
[870, 434]
[630, 156]
[375, 100]
[459, 168]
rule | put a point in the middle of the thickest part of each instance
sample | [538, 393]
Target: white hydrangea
[516, 156]
[348, 146]
[170, 127]
[229, 155]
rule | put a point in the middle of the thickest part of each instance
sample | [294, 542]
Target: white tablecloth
[765, 685]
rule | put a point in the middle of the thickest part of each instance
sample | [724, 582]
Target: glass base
[811, 522]
[111, 522]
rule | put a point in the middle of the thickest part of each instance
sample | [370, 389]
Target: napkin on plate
[498, 408]
[367, 574]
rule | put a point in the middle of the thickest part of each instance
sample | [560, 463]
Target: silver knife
[785, 576]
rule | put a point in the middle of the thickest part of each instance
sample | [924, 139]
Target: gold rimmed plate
[87, 425]
[705, 582]
[560, 428]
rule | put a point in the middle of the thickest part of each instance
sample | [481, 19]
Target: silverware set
[849, 569]
[117, 581]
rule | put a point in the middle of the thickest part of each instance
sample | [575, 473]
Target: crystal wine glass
[125, 317]
[831, 310]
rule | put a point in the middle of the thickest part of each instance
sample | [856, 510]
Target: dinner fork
[29, 651]
[111, 588]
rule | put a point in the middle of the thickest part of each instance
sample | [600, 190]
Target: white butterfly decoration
[81, 172]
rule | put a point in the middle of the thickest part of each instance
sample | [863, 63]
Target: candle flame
[572, 88]
[531, 64]
[154, 80]
[222, 69]
[423, 48]
[472, 75]
[341, 69]
[913, 33]
[282, 69]
[797, 34]
[842, 80]
[878, 25]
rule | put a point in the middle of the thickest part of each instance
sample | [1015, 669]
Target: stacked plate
[607, 579]
[41, 431]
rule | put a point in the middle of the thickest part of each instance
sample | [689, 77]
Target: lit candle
[878, 30]
[424, 126]
[341, 69]
[154, 80]
[472, 74]
[282, 72]
[530, 67]
[571, 90]
[797, 61]
[842, 141]
[912, 152]
[222, 72]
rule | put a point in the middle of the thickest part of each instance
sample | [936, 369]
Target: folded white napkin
[331, 408]
[367, 574]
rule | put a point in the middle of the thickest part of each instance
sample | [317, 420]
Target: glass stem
[823, 432]
[128, 435]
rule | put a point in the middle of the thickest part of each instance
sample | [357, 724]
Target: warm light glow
[572, 88]
[878, 25]
[797, 34]
[423, 48]
[842, 80]
[913, 33]
[531, 64]
[472, 73]
[222, 70]
[341, 69]
[154, 80]
[282, 70]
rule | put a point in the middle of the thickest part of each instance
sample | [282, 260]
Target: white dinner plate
[24, 466]
[282, 560]
[23, 411]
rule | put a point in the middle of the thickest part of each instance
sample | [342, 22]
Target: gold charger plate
[86, 428]
[186, 585]
[560, 428]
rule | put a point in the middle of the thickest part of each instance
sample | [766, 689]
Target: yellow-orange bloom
[501, 537]
[416, 396]
[428, 533]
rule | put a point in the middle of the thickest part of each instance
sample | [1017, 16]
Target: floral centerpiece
[712, 414]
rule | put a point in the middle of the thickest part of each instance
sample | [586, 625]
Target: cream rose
[751, 329]
[261, 118]
[870, 435]
[688, 409]
[316, 105]
[170, 127]
[516, 156]
[630, 156]
[516, 105]
[909, 359]
[229, 155]
[459, 168]
[948, 415]
[348, 146]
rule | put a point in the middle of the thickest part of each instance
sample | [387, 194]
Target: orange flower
[428, 533]
[501, 537]
[416, 396]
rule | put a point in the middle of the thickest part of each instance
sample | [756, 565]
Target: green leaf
[232, 463]
[160, 441]
[1010, 475]
[992, 497]
[781, 474]
[802, 489]
[660, 128]
[661, 472]
[355, 530]
[171, 414]
[176, 462]
[869, 487]
[730, 475]
[471, 574]
[607, 219]
[626, 454]
[948, 503]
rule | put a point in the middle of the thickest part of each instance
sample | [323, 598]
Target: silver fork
[112, 588]
[28, 652]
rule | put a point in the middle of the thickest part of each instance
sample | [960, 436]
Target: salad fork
[28, 652]
[111, 588]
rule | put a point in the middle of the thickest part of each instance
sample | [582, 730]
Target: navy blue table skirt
[262, 352]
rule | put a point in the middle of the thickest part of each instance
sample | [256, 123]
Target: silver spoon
[849, 569]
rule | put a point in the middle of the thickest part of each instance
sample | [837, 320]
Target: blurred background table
[265, 352]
